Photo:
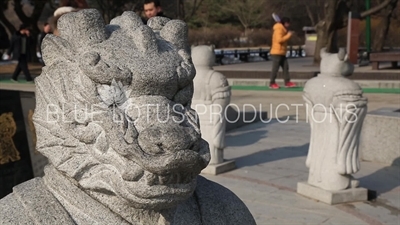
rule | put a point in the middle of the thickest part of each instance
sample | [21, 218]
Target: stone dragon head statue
[113, 108]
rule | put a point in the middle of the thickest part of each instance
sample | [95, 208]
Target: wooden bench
[378, 57]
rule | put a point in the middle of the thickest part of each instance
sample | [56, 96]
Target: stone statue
[8, 128]
[336, 110]
[210, 99]
[113, 117]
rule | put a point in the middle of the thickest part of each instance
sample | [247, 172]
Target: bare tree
[9, 26]
[336, 13]
[249, 12]
[312, 8]
[188, 8]
[383, 27]
[113, 8]
[32, 19]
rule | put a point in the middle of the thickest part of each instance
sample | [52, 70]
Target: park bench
[378, 57]
[243, 54]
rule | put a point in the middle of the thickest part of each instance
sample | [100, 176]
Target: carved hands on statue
[350, 109]
[309, 111]
[219, 121]
[103, 72]
[186, 72]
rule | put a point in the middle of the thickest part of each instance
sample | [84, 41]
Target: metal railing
[243, 55]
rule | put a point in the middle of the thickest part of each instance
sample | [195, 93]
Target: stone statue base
[332, 197]
[215, 169]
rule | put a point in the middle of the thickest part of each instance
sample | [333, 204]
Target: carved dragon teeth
[177, 178]
[164, 179]
[151, 179]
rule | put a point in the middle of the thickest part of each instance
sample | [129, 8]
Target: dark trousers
[279, 61]
[22, 66]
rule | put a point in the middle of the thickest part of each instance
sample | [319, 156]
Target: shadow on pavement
[248, 134]
[270, 155]
[383, 180]
[253, 137]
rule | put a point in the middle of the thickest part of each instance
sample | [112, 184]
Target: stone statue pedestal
[211, 98]
[336, 109]
[215, 169]
[332, 197]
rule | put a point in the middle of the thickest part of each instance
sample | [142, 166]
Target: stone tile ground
[271, 160]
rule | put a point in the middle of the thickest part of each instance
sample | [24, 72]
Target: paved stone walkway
[271, 156]
[271, 160]
[280, 104]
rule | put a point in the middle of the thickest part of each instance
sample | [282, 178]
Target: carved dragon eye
[91, 58]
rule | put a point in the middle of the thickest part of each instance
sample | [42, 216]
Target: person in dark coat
[20, 49]
[151, 9]
[4, 40]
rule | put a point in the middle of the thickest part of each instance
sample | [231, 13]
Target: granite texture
[113, 118]
[210, 99]
[336, 110]
[332, 197]
[379, 141]
[28, 106]
[215, 169]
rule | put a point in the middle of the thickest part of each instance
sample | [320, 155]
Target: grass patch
[300, 89]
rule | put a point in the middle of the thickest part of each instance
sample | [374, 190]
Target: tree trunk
[325, 30]
[7, 23]
[309, 12]
[322, 40]
[376, 8]
[246, 31]
[336, 12]
[335, 18]
[37, 12]
[20, 12]
[383, 28]
[181, 9]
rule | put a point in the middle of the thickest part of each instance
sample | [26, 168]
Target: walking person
[280, 37]
[20, 50]
[4, 42]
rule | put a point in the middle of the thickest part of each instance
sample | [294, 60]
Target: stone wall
[380, 137]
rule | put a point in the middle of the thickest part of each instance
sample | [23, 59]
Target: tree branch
[375, 9]
[37, 12]
[195, 8]
[319, 11]
[6, 22]
[20, 13]
[52, 5]
[310, 15]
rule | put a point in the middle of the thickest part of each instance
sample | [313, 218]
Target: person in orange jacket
[280, 37]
